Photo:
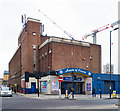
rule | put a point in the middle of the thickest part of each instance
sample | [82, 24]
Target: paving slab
[76, 96]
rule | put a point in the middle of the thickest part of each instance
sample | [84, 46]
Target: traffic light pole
[38, 86]
[110, 58]
[73, 84]
[60, 90]
[110, 64]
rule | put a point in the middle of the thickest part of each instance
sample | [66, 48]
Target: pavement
[76, 96]
[32, 101]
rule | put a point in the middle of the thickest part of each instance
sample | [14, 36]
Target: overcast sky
[78, 17]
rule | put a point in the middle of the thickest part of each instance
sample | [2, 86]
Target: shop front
[78, 79]
[82, 82]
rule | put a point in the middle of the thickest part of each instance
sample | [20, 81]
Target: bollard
[66, 94]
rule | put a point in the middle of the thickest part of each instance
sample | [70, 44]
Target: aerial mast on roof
[24, 21]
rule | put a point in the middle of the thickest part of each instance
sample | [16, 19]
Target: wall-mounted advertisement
[88, 86]
[54, 86]
[44, 86]
[23, 83]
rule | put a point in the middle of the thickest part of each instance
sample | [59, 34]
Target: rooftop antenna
[24, 21]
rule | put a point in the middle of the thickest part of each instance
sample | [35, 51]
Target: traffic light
[26, 76]
[37, 76]
[75, 77]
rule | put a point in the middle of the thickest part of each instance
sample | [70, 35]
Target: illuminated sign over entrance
[77, 70]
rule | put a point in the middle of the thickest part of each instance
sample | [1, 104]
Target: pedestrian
[93, 92]
[15, 90]
[70, 92]
[100, 93]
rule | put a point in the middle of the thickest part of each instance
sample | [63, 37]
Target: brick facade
[22, 60]
[15, 70]
[27, 40]
[57, 55]
[95, 63]
[52, 53]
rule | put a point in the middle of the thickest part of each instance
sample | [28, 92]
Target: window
[34, 60]
[34, 33]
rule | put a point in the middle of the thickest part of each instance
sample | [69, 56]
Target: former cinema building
[51, 57]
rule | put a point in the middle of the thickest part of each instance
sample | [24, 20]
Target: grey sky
[78, 17]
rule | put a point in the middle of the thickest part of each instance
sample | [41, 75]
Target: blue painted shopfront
[98, 80]
[33, 89]
[76, 84]
[103, 81]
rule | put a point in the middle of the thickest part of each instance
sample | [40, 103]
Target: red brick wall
[15, 70]
[69, 56]
[45, 58]
[43, 39]
[27, 40]
[23, 58]
[95, 52]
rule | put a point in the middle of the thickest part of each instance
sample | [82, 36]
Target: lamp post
[110, 57]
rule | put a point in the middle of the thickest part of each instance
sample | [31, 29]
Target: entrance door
[78, 88]
[33, 87]
[66, 86]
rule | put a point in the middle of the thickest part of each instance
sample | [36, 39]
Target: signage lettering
[78, 70]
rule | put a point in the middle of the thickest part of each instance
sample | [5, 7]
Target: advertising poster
[23, 83]
[88, 86]
[44, 86]
[54, 86]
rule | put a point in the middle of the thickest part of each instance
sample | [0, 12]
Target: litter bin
[114, 94]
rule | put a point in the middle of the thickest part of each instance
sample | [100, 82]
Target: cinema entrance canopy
[82, 82]
[75, 70]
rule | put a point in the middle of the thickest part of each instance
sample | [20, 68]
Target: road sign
[60, 79]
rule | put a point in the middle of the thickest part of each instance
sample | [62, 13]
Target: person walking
[93, 92]
[70, 92]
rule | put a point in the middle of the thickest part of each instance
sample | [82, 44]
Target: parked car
[5, 91]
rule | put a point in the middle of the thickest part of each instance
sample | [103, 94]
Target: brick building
[60, 54]
[57, 53]
[41, 55]
[22, 60]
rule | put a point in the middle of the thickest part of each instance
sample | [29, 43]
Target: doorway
[33, 87]
[78, 87]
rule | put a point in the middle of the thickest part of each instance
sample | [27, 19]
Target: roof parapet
[32, 19]
[63, 40]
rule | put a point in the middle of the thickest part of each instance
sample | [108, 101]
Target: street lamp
[110, 57]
